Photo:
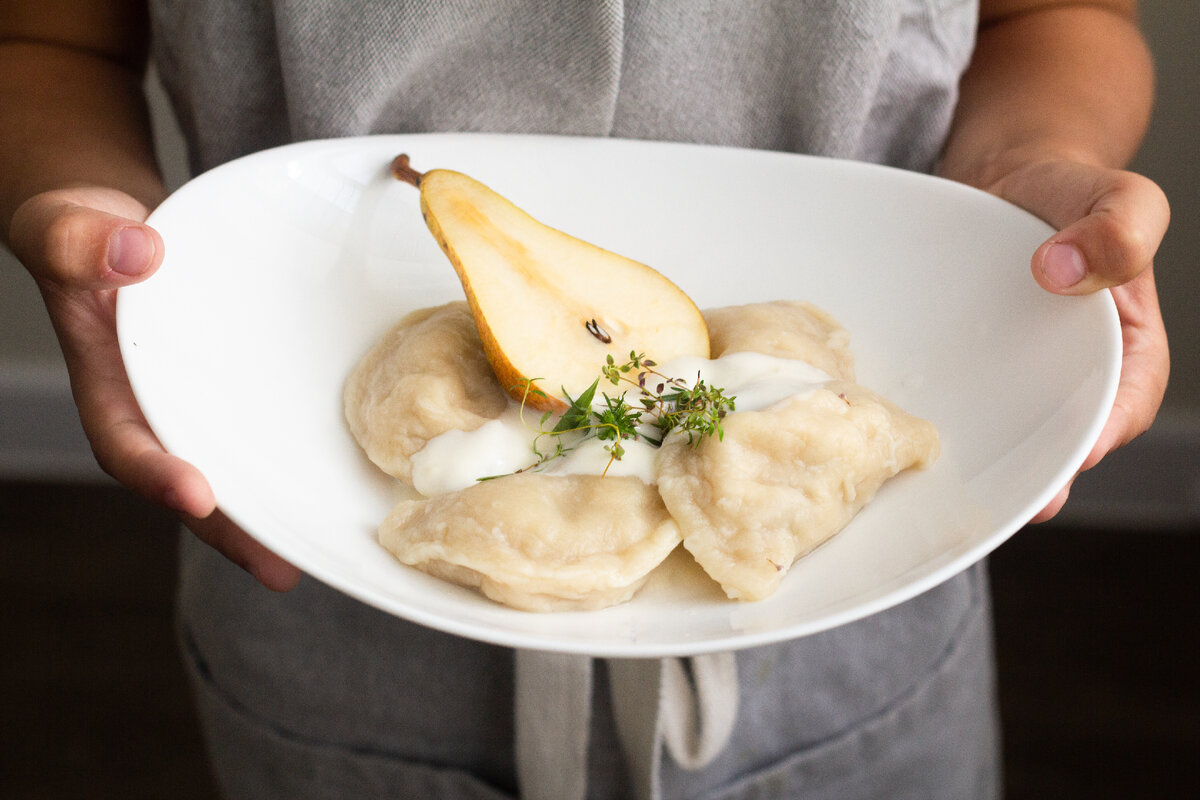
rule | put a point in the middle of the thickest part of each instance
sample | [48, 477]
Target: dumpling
[785, 329]
[785, 479]
[426, 376]
[538, 542]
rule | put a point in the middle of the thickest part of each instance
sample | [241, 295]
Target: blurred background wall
[1155, 480]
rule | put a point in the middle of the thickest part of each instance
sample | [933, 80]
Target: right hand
[81, 245]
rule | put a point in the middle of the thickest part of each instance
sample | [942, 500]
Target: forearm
[1054, 80]
[71, 117]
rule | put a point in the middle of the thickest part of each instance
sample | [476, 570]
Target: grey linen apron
[312, 694]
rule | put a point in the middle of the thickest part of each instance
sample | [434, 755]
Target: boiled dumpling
[785, 329]
[426, 376]
[785, 479]
[538, 542]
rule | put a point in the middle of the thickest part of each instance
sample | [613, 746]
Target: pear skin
[550, 307]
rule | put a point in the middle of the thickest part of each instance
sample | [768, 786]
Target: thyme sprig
[661, 404]
[697, 410]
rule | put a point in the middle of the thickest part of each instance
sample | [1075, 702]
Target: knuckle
[57, 242]
[73, 247]
[1127, 247]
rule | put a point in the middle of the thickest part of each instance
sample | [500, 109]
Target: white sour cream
[457, 459]
[591, 458]
[758, 381]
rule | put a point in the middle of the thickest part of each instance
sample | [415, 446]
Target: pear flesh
[549, 307]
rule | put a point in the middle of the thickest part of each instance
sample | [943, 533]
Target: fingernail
[1063, 265]
[130, 251]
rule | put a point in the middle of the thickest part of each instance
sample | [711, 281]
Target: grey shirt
[874, 80]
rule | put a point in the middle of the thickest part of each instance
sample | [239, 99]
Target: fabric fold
[552, 718]
[699, 707]
[636, 687]
[688, 704]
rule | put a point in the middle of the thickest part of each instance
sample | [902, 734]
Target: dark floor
[1097, 636]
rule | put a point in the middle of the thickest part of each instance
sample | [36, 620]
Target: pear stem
[402, 171]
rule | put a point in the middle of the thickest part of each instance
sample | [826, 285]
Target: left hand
[1110, 223]
[75, 243]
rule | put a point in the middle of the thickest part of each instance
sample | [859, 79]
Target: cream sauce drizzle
[457, 459]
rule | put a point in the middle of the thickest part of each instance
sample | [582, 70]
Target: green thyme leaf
[580, 410]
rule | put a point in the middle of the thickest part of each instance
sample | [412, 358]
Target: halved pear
[549, 307]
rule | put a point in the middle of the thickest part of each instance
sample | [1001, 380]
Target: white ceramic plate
[283, 267]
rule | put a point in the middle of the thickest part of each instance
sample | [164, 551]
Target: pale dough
[785, 479]
[426, 376]
[785, 329]
[538, 542]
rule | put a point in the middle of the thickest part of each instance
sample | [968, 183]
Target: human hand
[1110, 224]
[81, 245]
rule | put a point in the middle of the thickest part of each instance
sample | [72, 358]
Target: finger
[82, 247]
[124, 444]
[1110, 223]
[1145, 370]
[1054, 506]
[121, 439]
[1111, 437]
[1112, 244]
[269, 569]
[127, 448]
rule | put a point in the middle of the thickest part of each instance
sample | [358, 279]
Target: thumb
[1110, 223]
[85, 241]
